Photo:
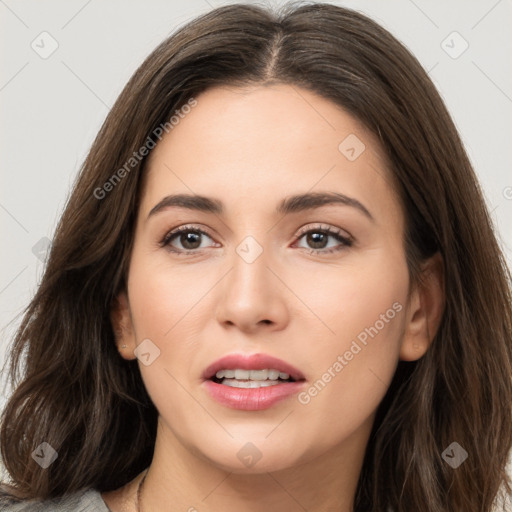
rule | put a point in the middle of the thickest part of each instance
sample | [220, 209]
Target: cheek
[164, 297]
[361, 313]
[345, 299]
[164, 308]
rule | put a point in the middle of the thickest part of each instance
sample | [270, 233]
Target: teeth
[259, 375]
[252, 375]
[234, 383]
[242, 374]
[273, 374]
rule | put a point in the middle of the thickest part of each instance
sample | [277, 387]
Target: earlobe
[122, 326]
[425, 310]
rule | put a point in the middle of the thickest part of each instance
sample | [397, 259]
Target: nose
[252, 296]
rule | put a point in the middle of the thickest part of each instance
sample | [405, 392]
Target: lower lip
[251, 399]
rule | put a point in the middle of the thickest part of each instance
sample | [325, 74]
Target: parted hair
[72, 389]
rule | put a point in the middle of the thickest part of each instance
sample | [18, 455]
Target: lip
[252, 399]
[252, 362]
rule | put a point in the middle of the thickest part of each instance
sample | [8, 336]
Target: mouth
[251, 371]
[240, 378]
[251, 382]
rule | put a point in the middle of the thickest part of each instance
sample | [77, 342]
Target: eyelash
[344, 241]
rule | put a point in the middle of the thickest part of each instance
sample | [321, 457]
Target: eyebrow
[291, 204]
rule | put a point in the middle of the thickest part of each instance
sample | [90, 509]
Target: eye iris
[318, 240]
[190, 238]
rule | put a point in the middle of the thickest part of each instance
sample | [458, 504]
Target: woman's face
[319, 284]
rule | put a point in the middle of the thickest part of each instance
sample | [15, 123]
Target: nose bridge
[250, 275]
[250, 249]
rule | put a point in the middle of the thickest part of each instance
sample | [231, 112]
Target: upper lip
[251, 362]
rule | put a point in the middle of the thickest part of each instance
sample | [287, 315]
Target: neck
[179, 480]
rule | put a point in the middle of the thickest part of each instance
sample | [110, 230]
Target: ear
[425, 310]
[121, 320]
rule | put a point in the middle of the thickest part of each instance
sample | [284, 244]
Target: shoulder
[88, 500]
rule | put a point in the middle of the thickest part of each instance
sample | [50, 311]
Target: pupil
[318, 240]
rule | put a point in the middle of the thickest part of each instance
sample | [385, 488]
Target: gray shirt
[88, 500]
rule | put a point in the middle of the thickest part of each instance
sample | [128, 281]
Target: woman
[275, 287]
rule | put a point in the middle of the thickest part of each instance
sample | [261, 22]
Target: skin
[250, 148]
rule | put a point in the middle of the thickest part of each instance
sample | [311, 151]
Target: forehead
[260, 143]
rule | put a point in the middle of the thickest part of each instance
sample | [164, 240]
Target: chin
[252, 454]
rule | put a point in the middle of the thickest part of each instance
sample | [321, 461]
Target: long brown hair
[76, 393]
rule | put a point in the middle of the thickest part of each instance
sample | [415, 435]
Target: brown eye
[185, 239]
[190, 240]
[318, 239]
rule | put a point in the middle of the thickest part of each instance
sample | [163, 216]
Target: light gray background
[52, 108]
